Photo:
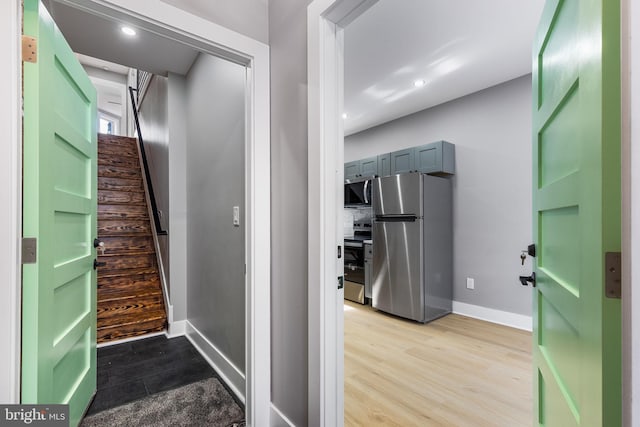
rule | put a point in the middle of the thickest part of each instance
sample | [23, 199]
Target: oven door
[354, 262]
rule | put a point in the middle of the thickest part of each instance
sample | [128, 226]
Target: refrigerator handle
[366, 186]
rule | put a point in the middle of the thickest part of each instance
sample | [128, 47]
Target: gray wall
[215, 183]
[105, 75]
[154, 126]
[288, 42]
[248, 17]
[491, 130]
[177, 114]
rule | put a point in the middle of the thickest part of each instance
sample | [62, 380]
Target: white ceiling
[457, 46]
[102, 38]
[102, 64]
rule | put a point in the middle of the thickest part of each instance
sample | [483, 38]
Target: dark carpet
[204, 403]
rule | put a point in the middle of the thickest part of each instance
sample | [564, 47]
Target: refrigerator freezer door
[397, 269]
[397, 195]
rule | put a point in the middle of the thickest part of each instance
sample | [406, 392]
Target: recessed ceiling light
[344, 115]
[419, 83]
[128, 31]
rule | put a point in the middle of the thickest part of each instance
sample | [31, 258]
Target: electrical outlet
[471, 284]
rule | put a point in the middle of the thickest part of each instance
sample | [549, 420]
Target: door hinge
[340, 282]
[29, 250]
[613, 275]
[29, 49]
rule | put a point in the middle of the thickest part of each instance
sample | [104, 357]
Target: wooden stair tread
[132, 317]
[117, 332]
[119, 171]
[128, 272]
[105, 295]
[109, 253]
[114, 197]
[120, 184]
[126, 245]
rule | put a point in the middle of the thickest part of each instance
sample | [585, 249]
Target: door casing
[325, 56]
[207, 37]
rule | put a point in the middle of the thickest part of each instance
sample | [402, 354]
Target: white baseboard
[125, 340]
[229, 373]
[278, 419]
[177, 329]
[514, 320]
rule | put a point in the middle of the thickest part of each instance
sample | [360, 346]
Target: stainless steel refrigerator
[412, 246]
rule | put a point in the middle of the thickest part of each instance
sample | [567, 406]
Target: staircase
[130, 300]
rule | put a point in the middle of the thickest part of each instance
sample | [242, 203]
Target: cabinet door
[402, 161]
[384, 164]
[428, 158]
[369, 166]
[352, 170]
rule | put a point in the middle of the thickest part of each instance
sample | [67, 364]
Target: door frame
[630, 52]
[210, 38]
[325, 18]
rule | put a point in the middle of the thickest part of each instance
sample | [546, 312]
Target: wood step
[127, 262]
[123, 227]
[149, 289]
[121, 283]
[119, 172]
[117, 161]
[111, 140]
[111, 312]
[102, 273]
[123, 150]
[120, 184]
[121, 245]
[131, 329]
[120, 197]
[121, 211]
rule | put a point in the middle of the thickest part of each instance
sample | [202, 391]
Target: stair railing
[152, 199]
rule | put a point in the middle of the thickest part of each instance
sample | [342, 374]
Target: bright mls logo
[34, 415]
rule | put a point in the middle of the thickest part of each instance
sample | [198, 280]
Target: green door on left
[59, 210]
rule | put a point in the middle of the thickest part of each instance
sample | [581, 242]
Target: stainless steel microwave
[358, 193]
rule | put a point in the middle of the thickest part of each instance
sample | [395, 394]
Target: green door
[576, 202]
[59, 209]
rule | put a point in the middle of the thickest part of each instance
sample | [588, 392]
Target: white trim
[227, 371]
[278, 419]
[176, 328]
[325, 158]
[631, 299]
[212, 38]
[506, 318]
[10, 197]
[130, 339]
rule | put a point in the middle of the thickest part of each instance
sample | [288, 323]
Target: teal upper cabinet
[352, 170]
[436, 158]
[402, 161]
[384, 164]
[369, 166]
[361, 168]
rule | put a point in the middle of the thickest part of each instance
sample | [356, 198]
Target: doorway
[322, 64]
[254, 56]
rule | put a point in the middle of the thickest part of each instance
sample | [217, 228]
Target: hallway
[144, 368]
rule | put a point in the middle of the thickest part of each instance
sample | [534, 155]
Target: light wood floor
[455, 371]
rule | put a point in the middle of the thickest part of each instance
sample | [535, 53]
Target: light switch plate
[236, 216]
[471, 284]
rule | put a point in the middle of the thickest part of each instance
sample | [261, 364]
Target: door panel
[59, 205]
[397, 269]
[576, 151]
[397, 195]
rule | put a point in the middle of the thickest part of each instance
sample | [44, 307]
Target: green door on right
[576, 202]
